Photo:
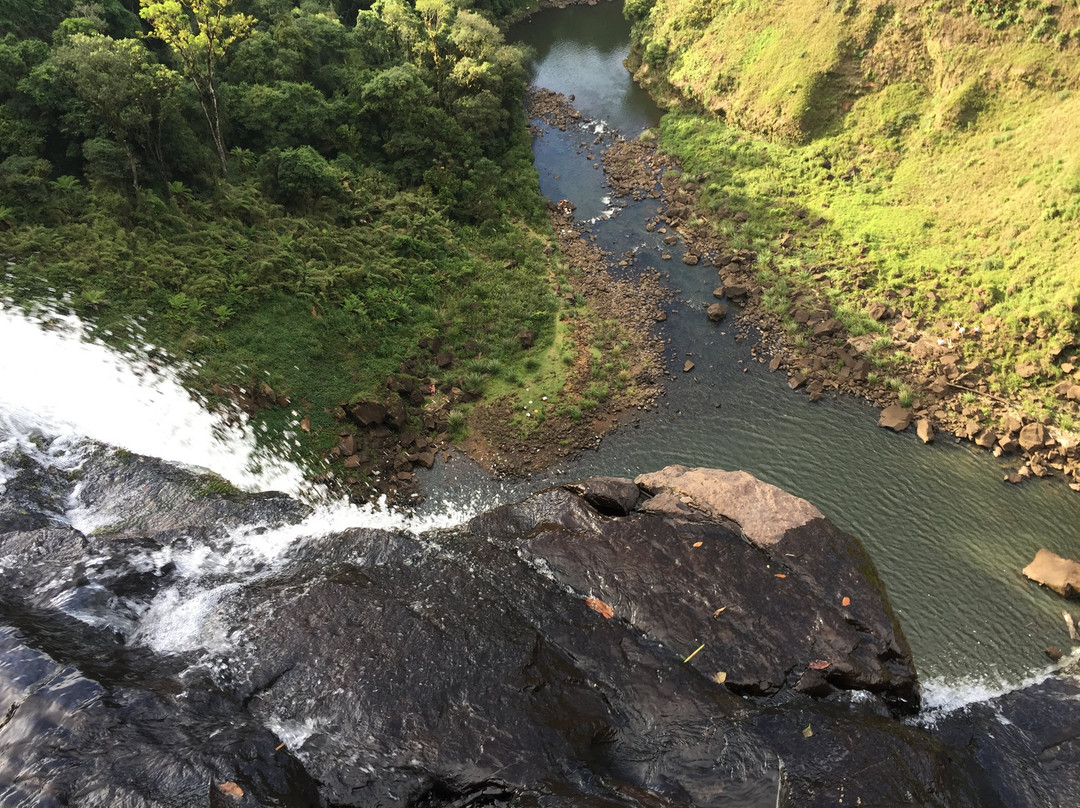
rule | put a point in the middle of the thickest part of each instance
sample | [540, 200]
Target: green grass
[955, 178]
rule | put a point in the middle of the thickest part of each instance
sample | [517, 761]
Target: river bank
[905, 211]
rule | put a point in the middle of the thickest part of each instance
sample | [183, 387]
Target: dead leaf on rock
[807, 732]
[698, 543]
[819, 664]
[846, 601]
[231, 789]
[780, 575]
[720, 677]
[599, 607]
[718, 612]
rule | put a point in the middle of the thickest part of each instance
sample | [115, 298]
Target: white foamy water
[57, 388]
[56, 382]
[941, 697]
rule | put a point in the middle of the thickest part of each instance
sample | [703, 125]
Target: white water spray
[55, 381]
[59, 385]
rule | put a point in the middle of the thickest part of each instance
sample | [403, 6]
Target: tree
[117, 84]
[200, 33]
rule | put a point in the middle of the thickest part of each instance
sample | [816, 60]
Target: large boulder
[1059, 574]
[701, 639]
[895, 417]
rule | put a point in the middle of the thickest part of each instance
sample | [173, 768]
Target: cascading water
[64, 393]
[58, 382]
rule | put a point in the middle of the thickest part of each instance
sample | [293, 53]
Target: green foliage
[379, 187]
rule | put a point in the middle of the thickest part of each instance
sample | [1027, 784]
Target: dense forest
[299, 193]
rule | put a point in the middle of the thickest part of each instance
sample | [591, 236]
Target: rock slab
[1059, 574]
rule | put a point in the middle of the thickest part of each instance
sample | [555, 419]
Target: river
[948, 536]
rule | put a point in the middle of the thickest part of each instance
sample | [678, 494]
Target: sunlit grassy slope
[938, 141]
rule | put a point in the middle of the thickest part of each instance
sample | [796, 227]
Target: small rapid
[65, 394]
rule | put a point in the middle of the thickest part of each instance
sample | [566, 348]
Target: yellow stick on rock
[695, 653]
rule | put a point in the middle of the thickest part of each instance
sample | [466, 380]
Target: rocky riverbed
[945, 395]
[693, 637]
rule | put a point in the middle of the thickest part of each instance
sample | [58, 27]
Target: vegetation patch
[939, 178]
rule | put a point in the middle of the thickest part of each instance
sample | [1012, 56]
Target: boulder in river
[895, 417]
[1059, 574]
[717, 312]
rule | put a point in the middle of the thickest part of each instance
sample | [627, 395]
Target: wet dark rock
[611, 496]
[540, 654]
[1027, 742]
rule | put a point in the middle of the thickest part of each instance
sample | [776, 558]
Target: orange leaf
[231, 789]
[599, 607]
[819, 664]
[846, 601]
[780, 575]
[720, 677]
[698, 543]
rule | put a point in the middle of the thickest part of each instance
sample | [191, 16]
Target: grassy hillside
[936, 141]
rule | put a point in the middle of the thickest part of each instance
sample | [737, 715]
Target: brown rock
[895, 417]
[691, 259]
[426, 459]
[764, 512]
[1025, 370]
[353, 462]
[877, 311]
[1013, 478]
[1033, 436]
[925, 430]
[828, 328]
[347, 445]
[1051, 570]
[1073, 393]
[717, 312]
[774, 364]
[367, 413]
[986, 439]
[796, 380]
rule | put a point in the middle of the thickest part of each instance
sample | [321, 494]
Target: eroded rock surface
[598, 644]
